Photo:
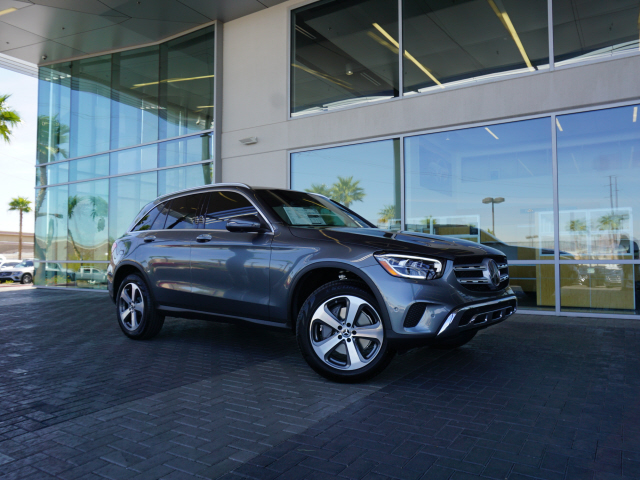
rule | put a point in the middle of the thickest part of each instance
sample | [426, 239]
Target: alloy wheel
[131, 306]
[346, 332]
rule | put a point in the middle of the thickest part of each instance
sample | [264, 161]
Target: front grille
[414, 314]
[476, 276]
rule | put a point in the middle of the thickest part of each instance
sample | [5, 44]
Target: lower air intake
[414, 314]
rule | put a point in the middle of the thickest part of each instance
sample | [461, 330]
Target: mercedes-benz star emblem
[494, 273]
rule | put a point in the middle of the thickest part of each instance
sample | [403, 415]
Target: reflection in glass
[88, 275]
[52, 174]
[53, 274]
[363, 177]
[586, 30]
[128, 195]
[174, 179]
[457, 42]
[87, 209]
[343, 53]
[90, 105]
[134, 95]
[186, 150]
[455, 180]
[534, 285]
[134, 159]
[88, 168]
[54, 111]
[598, 288]
[598, 178]
[186, 84]
[51, 223]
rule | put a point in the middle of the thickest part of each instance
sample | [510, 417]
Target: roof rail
[229, 184]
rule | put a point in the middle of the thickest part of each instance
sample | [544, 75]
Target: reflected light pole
[493, 201]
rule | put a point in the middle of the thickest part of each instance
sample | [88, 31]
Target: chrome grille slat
[477, 275]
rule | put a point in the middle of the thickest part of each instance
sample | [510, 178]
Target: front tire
[341, 334]
[136, 312]
[26, 279]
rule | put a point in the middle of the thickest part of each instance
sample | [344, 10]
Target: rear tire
[135, 309]
[455, 342]
[341, 334]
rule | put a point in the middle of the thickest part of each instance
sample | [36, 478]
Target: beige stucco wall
[256, 62]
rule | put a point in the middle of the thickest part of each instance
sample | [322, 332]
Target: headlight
[406, 266]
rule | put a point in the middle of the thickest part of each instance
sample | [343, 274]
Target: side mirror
[249, 224]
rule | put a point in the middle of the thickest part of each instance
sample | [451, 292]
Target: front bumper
[422, 311]
[478, 315]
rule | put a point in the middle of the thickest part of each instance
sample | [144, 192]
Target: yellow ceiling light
[635, 114]
[408, 55]
[7, 10]
[171, 80]
[492, 134]
[558, 124]
[383, 42]
[506, 21]
[324, 76]
[205, 106]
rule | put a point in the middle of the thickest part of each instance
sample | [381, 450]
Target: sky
[17, 159]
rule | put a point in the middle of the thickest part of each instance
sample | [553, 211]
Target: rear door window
[223, 206]
[146, 222]
[184, 212]
[158, 223]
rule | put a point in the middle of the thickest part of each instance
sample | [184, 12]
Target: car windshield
[309, 210]
[26, 263]
[9, 264]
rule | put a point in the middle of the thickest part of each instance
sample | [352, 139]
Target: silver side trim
[455, 313]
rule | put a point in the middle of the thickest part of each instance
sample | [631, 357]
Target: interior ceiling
[62, 29]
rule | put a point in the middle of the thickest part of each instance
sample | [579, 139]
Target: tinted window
[224, 206]
[158, 223]
[148, 219]
[183, 212]
[303, 209]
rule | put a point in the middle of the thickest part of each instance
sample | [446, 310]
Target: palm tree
[22, 205]
[387, 213]
[580, 227]
[51, 134]
[346, 191]
[72, 204]
[8, 119]
[319, 188]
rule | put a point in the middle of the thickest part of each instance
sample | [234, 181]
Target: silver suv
[22, 272]
[352, 293]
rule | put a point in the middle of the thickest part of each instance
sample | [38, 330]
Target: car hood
[398, 242]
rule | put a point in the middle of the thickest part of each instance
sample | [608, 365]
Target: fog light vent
[414, 314]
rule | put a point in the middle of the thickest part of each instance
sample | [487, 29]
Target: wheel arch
[125, 269]
[312, 277]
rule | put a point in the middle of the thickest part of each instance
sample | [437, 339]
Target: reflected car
[91, 275]
[352, 294]
[22, 273]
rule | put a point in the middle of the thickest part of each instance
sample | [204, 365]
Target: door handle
[150, 238]
[203, 238]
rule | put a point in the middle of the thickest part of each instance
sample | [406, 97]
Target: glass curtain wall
[364, 177]
[107, 129]
[349, 52]
[494, 185]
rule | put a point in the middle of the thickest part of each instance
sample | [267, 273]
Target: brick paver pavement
[535, 397]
